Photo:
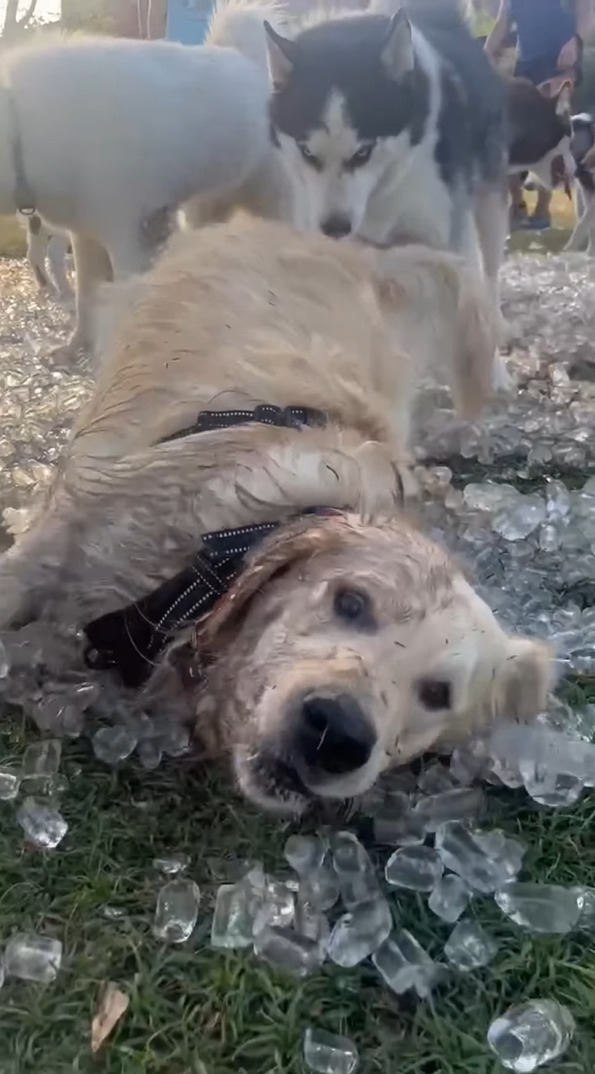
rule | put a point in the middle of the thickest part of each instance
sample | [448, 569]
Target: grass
[195, 1011]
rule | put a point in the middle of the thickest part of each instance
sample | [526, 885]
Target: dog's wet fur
[348, 643]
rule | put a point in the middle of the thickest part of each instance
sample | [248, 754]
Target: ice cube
[43, 826]
[288, 950]
[586, 902]
[406, 831]
[461, 803]
[415, 868]
[277, 908]
[355, 872]
[10, 781]
[552, 789]
[40, 764]
[517, 522]
[435, 779]
[403, 964]
[321, 886]
[32, 957]
[305, 853]
[469, 946]
[545, 908]
[531, 1034]
[236, 907]
[113, 744]
[449, 898]
[327, 1053]
[173, 865]
[357, 934]
[176, 911]
[485, 860]
[4, 661]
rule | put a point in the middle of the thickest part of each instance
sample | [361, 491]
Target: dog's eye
[361, 156]
[353, 606]
[307, 154]
[434, 694]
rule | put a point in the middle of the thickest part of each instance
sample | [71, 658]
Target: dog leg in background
[57, 251]
[37, 241]
[583, 235]
[491, 217]
[92, 267]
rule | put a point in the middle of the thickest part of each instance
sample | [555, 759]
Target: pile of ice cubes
[511, 496]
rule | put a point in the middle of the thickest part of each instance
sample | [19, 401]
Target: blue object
[187, 21]
[543, 26]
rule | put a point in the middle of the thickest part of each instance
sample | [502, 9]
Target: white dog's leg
[583, 235]
[37, 239]
[491, 217]
[57, 250]
[92, 268]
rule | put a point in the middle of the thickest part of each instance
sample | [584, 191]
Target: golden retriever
[348, 641]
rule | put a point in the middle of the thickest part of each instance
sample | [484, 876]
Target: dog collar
[129, 640]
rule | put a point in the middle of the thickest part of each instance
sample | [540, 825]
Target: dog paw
[503, 382]
[70, 351]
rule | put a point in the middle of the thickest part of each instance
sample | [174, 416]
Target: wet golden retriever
[348, 641]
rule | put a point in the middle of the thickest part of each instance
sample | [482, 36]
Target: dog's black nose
[337, 226]
[333, 735]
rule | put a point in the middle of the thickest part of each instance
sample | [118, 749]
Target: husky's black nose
[337, 226]
[333, 735]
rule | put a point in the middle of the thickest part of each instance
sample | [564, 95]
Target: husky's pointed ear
[281, 52]
[397, 54]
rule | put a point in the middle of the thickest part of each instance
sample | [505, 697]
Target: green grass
[196, 1011]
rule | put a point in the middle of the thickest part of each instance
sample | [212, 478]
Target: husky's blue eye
[361, 156]
[308, 155]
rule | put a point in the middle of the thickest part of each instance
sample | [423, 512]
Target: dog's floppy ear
[281, 52]
[523, 680]
[397, 54]
[281, 550]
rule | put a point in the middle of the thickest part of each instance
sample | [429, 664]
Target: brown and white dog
[345, 641]
[540, 131]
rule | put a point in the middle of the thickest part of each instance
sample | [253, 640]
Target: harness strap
[130, 639]
[289, 417]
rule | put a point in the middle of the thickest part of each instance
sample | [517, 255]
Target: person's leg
[518, 205]
[541, 212]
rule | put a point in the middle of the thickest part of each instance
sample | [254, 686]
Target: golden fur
[250, 313]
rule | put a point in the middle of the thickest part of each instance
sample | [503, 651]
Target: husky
[47, 251]
[101, 137]
[392, 128]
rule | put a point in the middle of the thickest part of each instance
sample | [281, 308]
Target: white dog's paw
[74, 348]
[503, 382]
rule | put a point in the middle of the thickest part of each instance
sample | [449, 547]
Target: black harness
[129, 640]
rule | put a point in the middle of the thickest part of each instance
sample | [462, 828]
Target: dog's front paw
[503, 383]
[73, 348]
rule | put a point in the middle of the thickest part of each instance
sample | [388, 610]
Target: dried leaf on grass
[112, 1006]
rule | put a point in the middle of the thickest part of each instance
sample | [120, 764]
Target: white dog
[104, 137]
[236, 470]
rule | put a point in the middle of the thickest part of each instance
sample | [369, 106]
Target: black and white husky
[392, 128]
